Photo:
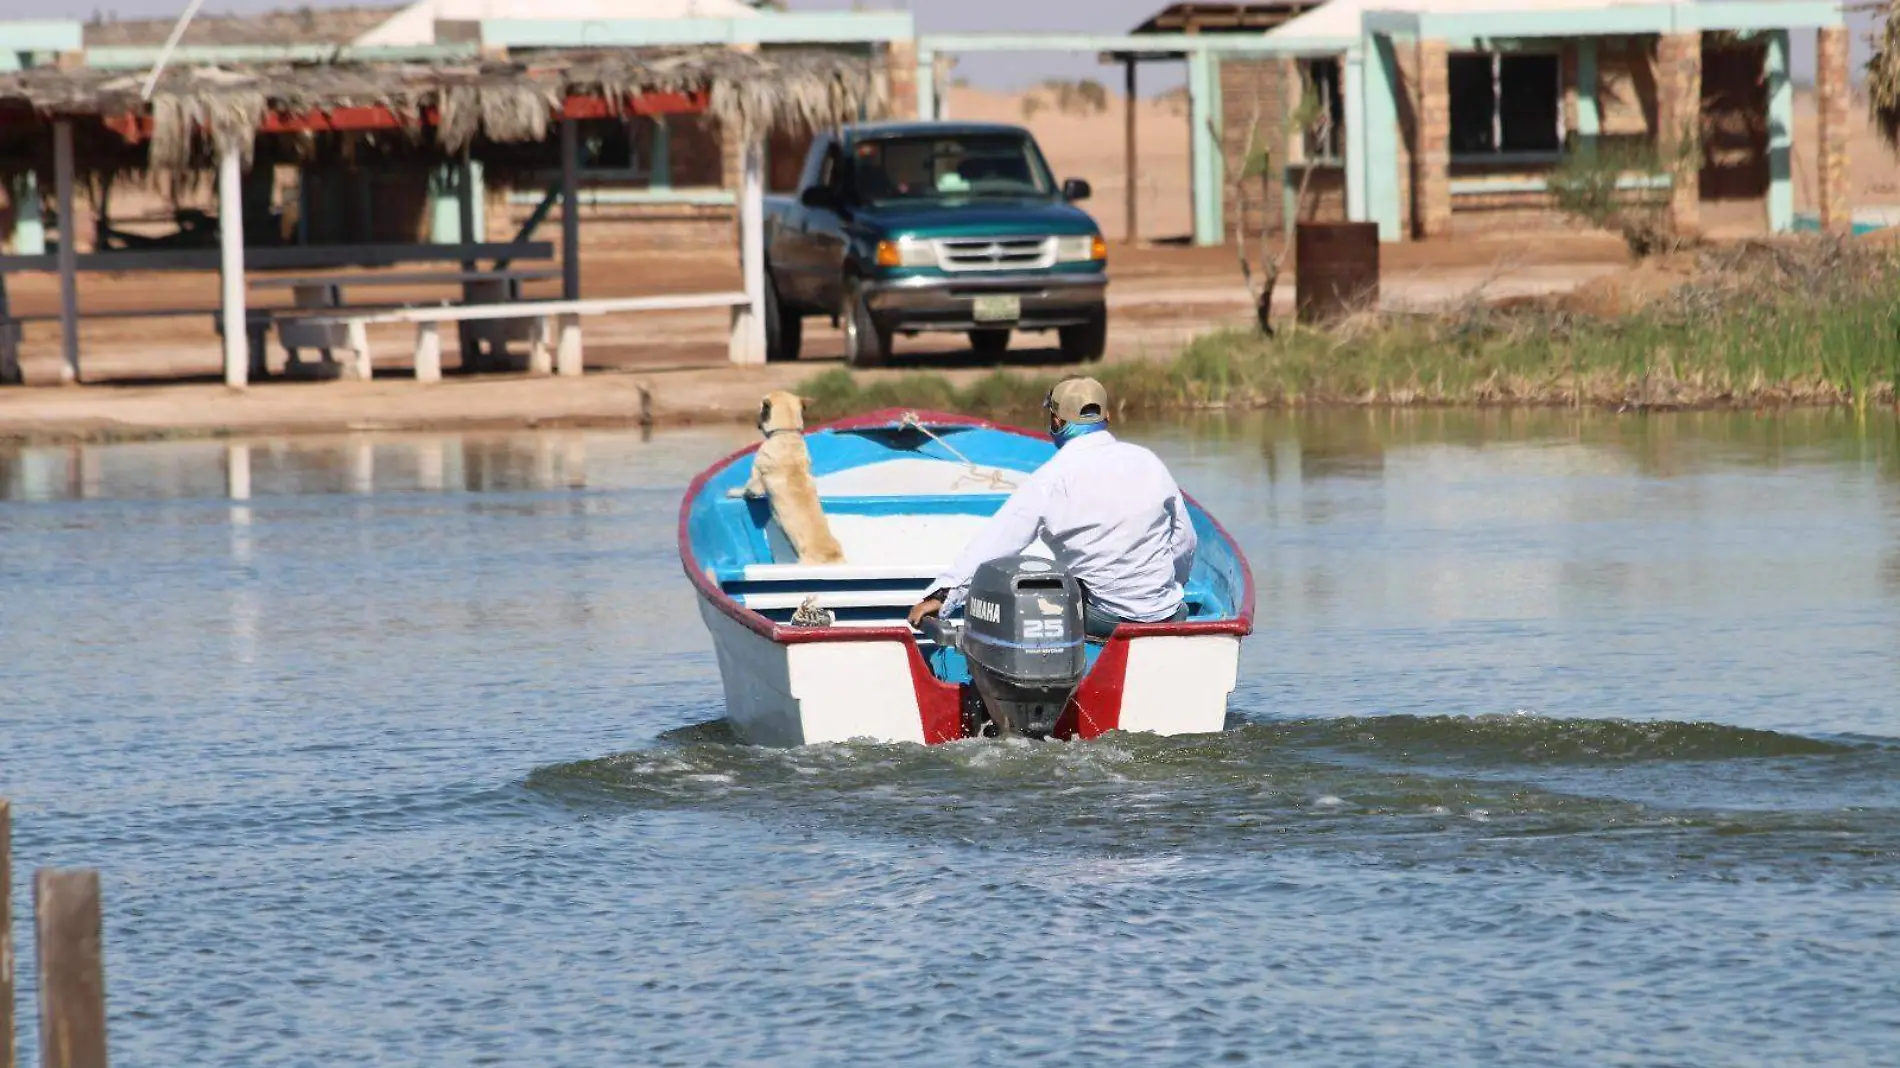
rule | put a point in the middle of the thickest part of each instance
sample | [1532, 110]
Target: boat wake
[1422, 783]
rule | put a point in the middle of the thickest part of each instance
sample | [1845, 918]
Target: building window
[1506, 104]
[1325, 108]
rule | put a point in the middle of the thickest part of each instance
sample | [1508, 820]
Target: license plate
[998, 309]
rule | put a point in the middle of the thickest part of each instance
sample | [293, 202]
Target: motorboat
[812, 653]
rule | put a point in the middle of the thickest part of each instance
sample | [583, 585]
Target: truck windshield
[918, 168]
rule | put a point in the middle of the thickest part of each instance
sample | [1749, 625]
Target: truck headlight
[1082, 248]
[906, 252]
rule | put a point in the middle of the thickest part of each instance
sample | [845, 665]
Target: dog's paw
[736, 492]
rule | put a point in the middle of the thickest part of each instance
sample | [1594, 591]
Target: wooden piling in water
[9, 1048]
[72, 973]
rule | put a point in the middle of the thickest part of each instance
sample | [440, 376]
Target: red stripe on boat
[1096, 707]
[939, 703]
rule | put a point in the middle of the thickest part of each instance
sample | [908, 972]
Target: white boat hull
[811, 692]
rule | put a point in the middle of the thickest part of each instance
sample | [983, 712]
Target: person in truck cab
[1108, 509]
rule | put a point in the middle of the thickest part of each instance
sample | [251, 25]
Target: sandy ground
[162, 376]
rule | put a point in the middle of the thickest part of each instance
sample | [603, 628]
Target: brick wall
[1266, 89]
[1432, 174]
[1325, 195]
[1678, 115]
[1626, 98]
[900, 66]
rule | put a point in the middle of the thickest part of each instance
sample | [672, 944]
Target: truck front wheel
[866, 344]
[1086, 342]
[784, 334]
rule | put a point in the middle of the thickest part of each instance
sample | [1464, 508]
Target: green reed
[1809, 322]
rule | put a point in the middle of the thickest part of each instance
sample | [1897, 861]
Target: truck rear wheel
[1087, 342]
[784, 334]
[989, 342]
[865, 343]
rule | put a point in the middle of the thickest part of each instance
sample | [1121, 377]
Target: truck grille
[996, 253]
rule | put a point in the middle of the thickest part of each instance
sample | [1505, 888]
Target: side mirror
[818, 196]
[1076, 189]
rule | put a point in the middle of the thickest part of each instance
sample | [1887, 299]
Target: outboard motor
[1022, 634]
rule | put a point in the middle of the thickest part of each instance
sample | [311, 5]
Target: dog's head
[781, 411]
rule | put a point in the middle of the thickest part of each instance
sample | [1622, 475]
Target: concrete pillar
[1382, 137]
[1588, 121]
[1831, 89]
[1776, 73]
[29, 228]
[901, 68]
[1678, 119]
[1354, 94]
[1204, 156]
[457, 203]
[1431, 177]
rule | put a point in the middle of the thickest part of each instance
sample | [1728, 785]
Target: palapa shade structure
[198, 113]
[1883, 74]
[202, 118]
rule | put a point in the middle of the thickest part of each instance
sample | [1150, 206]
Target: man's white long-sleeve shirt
[1114, 518]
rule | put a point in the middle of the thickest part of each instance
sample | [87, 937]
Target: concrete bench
[554, 328]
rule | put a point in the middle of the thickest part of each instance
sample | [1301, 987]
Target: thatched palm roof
[495, 101]
[1883, 74]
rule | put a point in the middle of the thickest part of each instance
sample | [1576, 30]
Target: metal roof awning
[1195, 19]
[1224, 18]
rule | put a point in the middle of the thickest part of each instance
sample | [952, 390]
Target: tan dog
[781, 472]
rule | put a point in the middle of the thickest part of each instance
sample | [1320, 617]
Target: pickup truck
[901, 228]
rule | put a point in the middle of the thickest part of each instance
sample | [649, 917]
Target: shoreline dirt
[94, 414]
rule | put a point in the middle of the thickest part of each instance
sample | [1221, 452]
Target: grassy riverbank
[1760, 325]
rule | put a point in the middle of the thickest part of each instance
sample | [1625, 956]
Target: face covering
[1071, 431]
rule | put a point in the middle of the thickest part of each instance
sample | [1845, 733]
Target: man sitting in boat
[1108, 509]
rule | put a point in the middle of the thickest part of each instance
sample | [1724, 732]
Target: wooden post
[9, 1051]
[237, 360]
[72, 972]
[748, 323]
[68, 250]
[1134, 232]
[570, 211]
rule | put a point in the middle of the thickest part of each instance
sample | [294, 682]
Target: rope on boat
[992, 477]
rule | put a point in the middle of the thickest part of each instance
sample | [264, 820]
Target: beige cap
[1078, 400]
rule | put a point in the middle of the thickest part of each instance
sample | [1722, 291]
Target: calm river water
[1561, 742]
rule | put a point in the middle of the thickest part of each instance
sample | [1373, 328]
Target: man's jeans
[1097, 624]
